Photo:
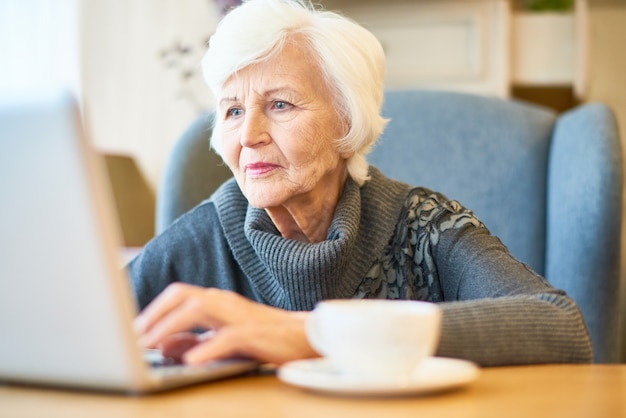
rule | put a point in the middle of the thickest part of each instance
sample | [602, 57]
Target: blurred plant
[549, 5]
[226, 5]
[184, 58]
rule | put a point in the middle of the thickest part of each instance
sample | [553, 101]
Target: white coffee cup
[375, 338]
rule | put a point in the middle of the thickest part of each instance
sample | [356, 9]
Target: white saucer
[434, 374]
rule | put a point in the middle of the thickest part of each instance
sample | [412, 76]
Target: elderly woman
[299, 93]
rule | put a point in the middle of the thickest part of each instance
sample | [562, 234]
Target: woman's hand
[237, 327]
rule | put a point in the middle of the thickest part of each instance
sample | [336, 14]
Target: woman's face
[279, 127]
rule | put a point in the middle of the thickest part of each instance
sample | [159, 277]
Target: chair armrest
[584, 220]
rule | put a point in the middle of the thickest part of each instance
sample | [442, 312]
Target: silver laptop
[66, 305]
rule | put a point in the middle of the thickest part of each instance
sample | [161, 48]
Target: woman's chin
[263, 201]
[265, 195]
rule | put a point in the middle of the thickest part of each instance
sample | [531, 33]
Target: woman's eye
[234, 112]
[282, 105]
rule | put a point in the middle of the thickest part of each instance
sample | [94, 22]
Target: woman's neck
[308, 218]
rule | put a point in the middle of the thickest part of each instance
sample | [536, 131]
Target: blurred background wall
[141, 84]
[134, 64]
[140, 74]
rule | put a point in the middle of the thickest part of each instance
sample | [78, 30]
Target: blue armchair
[550, 186]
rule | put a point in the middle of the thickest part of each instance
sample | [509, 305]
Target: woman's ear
[346, 125]
[346, 155]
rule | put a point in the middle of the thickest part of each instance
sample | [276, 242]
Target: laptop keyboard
[156, 360]
[165, 367]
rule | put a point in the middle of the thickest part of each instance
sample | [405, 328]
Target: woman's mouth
[259, 169]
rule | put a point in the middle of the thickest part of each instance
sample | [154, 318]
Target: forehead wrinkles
[293, 67]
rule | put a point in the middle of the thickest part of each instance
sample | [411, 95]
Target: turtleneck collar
[296, 275]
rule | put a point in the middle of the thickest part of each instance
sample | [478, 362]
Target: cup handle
[313, 333]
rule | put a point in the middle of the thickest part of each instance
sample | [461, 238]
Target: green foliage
[550, 5]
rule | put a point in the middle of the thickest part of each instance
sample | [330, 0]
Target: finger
[188, 315]
[224, 344]
[228, 307]
[162, 305]
[167, 300]
[176, 345]
[216, 307]
[276, 342]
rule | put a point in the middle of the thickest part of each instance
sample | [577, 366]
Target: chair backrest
[489, 154]
[192, 173]
[549, 186]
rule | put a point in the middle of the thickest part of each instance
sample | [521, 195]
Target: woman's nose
[255, 129]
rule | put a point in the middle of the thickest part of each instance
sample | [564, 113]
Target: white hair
[350, 57]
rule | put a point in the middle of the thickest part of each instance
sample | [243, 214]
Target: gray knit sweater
[387, 240]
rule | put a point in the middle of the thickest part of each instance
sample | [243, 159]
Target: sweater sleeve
[192, 250]
[496, 310]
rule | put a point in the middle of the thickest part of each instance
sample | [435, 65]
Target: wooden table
[530, 391]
